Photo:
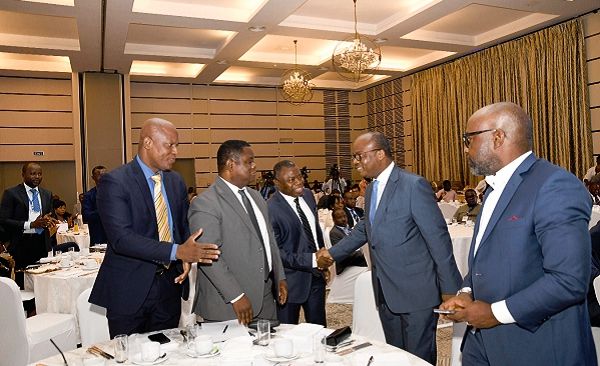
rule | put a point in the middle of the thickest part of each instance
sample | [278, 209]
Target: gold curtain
[544, 72]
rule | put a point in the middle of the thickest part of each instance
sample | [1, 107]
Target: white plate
[273, 358]
[137, 360]
[89, 268]
[61, 266]
[215, 352]
[48, 260]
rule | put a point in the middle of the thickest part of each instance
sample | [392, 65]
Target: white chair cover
[457, 336]
[93, 325]
[448, 210]
[25, 341]
[187, 316]
[341, 290]
[365, 318]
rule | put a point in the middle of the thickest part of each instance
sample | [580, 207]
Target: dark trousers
[314, 306]
[27, 250]
[413, 332]
[161, 309]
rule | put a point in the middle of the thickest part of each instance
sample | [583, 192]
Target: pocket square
[514, 218]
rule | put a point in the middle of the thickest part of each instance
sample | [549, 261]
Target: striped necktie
[162, 216]
[373, 203]
[35, 205]
[305, 225]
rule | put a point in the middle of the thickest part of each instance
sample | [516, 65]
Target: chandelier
[356, 57]
[295, 83]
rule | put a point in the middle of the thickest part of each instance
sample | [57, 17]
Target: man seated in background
[90, 209]
[353, 213]
[337, 233]
[592, 171]
[446, 194]
[471, 209]
[594, 189]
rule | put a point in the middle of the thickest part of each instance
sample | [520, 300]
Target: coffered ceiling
[251, 41]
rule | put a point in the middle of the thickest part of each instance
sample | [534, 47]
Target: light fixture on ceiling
[257, 28]
[356, 57]
[295, 83]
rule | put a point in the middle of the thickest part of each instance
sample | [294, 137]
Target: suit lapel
[509, 191]
[22, 193]
[388, 192]
[228, 197]
[140, 179]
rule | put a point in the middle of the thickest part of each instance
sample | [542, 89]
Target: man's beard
[487, 162]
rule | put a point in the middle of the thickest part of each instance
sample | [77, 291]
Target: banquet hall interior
[78, 78]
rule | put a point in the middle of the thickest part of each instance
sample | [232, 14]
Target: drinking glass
[121, 348]
[263, 332]
[319, 348]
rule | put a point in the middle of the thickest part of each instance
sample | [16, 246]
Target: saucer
[273, 358]
[137, 360]
[215, 352]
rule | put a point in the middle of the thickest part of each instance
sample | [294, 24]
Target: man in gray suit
[412, 262]
[248, 276]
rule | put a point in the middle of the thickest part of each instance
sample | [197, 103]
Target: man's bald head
[158, 144]
[512, 119]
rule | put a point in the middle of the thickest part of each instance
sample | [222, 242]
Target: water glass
[319, 343]
[263, 332]
[121, 348]
[191, 334]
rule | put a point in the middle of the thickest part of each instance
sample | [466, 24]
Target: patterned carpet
[339, 315]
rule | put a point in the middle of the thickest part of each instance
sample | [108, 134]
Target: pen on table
[225, 329]
[370, 361]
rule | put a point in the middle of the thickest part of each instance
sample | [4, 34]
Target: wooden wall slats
[179, 120]
[25, 153]
[243, 121]
[33, 86]
[42, 103]
[36, 119]
[160, 105]
[41, 136]
[159, 90]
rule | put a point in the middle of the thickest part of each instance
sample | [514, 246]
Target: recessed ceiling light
[257, 28]
[380, 40]
[222, 62]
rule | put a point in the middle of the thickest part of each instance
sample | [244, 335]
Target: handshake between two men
[324, 259]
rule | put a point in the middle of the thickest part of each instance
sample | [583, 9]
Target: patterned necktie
[254, 221]
[35, 204]
[162, 216]
[305, 224]
[373, 203]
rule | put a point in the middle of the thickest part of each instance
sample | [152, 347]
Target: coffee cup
[65, 262]
[150, 351]
[203, 344]
[283, 348]
[90, 263]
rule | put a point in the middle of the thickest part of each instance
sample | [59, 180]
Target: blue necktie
[35, 203]
[373, 203]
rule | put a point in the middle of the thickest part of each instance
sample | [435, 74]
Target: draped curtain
[544, 73]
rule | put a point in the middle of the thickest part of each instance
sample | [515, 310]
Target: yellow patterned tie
[162, 216]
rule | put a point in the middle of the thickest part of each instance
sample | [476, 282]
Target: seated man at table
[446, 194]
[470, 210]
[337, 233]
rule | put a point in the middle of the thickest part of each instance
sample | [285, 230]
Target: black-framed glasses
[359, 155]
[466, 137]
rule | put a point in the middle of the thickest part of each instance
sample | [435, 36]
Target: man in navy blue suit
[524, 298]
[89, 209]
[295, 223]
[143, 207]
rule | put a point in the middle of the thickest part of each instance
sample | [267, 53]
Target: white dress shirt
[310, 216]
[32, 214]
[382, 180]
[498, 182]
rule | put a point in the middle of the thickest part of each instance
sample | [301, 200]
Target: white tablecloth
[239, 352]
[461, 241]
[82, 239]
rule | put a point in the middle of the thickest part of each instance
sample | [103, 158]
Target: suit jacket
[295, 247]
[359, 211]
[14, 212]
[127, 211]
[411, 250]
[89, 212]
[240, 267]
[356, 258]
[535, 254]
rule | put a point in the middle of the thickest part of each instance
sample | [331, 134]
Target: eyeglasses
[466, 137]
[359, 155]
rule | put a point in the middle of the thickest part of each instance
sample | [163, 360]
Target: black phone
[159, 337]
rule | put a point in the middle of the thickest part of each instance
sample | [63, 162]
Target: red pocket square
[514, 218]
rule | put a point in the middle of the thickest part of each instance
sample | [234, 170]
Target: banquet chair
[93, 325]
[25, 341]
[596, 330]
[365, 318]
[448, 210]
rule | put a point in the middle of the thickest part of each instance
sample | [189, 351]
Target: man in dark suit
[25, 214]
[248, 276]
[296, 226]
[529, 263]
[143, 207]
[339, 231]
[89, 210]
[354, 214]
[411, 252]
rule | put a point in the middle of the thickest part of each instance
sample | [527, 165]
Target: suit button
[372, 246]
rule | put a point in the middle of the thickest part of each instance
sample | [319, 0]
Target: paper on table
[302, 336]
[380, 359]
[215, 330]
[304, 330]
[62, 228]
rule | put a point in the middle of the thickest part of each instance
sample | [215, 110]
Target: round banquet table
[461, 236]
[82, 238]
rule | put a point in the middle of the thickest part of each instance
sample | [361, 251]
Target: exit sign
[38, 153]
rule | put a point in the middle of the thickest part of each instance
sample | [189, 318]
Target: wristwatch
[465, 290]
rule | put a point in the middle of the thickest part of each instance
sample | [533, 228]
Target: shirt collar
[385, 174]
[28, 188]
[502, 176]
[289, 198]
[146, 169]
[235, 189]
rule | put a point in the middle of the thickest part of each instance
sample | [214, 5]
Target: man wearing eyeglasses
[529, 264]
[412, 262]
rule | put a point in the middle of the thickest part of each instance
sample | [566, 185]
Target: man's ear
[147, 143]
[499, 138]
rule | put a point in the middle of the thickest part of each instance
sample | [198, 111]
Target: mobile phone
[159, 337]
[445, 312]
